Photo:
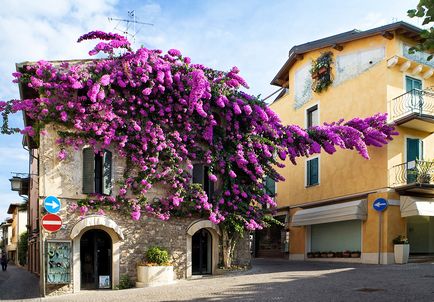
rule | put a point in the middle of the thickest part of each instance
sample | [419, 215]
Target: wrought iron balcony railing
[414, 102]
[412, 172]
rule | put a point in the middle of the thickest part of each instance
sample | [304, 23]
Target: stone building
[91, 248]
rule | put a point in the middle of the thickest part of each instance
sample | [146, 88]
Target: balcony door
[415, 87]
[414, 152]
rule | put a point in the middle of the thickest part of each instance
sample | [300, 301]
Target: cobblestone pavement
[17, 284]
[280, 280]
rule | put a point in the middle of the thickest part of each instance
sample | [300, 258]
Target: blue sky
[254, 35]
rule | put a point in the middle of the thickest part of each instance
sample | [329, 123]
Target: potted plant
[330, 254]
[317, 255]
[339, 254]
[424, 170]
[156, 269]
[355, 254]
[401, 249]
[323, 254]
[320, 72]
[309, 255]
[346, 254]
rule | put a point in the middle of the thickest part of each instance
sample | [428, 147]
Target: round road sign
[51, 222]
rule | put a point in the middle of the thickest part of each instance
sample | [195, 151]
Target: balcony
[414, 109]
[415, 176]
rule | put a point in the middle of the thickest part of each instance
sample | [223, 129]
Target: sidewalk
[17, 284]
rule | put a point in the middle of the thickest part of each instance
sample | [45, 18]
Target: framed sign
[104, 281]
[58, 264]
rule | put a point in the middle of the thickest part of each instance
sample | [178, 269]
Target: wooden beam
[338, 47]
[428, 73]
[417, 70]
[405, 66]
[388, 35]
[392, 61]
[299, 57]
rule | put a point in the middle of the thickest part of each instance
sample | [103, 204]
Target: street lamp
[16, 182]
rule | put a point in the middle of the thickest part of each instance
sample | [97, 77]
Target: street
[268, 280]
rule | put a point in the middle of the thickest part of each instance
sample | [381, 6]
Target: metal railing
[416, 101]
[412, 172]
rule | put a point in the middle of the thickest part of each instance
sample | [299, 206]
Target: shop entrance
[201, 252]
[420, 230]
[96, 260]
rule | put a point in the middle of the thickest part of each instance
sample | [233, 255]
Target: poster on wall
[104, 281]
[58, 262]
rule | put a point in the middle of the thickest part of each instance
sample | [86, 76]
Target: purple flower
[105, 80]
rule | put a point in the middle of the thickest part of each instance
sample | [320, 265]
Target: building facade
[95, 250]
[329, 199]
[18, 227]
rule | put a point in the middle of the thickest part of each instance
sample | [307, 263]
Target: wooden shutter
[88, 171]
[312, 171]
[107, 173]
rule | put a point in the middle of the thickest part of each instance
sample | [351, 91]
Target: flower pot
[154, 275]
[330, 255]
[355, 255]
[401, 253]
[346, 254]
[322, 70]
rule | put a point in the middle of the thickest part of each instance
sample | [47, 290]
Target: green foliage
[401, 239]
[125, 282]
[321, 72]
[157, 255]
[22, 249]
[425, 10]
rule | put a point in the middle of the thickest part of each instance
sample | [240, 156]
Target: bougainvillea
[163, 114]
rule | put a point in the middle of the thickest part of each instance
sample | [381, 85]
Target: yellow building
[330, 198]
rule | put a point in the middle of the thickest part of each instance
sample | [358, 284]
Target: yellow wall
[346, 172]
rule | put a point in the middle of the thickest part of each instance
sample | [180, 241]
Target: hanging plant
[321, 72]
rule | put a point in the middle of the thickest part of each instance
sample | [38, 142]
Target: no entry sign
[51, 222]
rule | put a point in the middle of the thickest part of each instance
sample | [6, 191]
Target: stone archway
[96, 222]
[214, 230]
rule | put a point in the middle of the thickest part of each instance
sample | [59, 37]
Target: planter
[317, 255]
[346, 254]
[330, 255]
[401, 252]
[355, 255]
[323, 255]
[322, 70]
[309, 255]
[154, 275]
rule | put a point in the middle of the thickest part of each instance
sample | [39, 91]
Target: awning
[416, 206]
[351, 210]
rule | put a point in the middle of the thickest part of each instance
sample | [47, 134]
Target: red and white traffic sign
[51, 222]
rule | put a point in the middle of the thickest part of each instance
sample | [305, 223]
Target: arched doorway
[96, 260]
[201, 249]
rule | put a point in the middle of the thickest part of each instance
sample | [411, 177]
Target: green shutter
[88, 171]
[312, 171]
[107, 173]
[270, 186]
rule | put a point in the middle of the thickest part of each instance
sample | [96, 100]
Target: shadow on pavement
[18, 284]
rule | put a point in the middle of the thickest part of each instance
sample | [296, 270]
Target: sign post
[380, 204]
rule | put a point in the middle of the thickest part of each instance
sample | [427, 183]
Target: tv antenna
[129, 28]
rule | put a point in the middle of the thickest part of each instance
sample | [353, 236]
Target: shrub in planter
[156, 270]
[355, 254]
[346, 254]
[323, 254]
[317, 255]
[157, 256]
[330, 254]
[339, 255]
[309, 255]
[401, 249]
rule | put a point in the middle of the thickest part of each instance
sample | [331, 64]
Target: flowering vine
[163, 114]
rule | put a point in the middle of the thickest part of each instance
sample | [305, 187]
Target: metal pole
[41, 253]
[380, 222]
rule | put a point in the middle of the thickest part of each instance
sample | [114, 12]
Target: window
[312, 116]
[97, 172]
[270, 186]
[312, 172]
[200, 176]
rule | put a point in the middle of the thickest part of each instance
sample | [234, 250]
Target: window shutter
[270, 186]
[314, 171]
[107, 173]
[198, 174]
[88, 171]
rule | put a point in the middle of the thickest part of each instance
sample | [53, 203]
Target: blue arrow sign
[380, 204]
[52, 204]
